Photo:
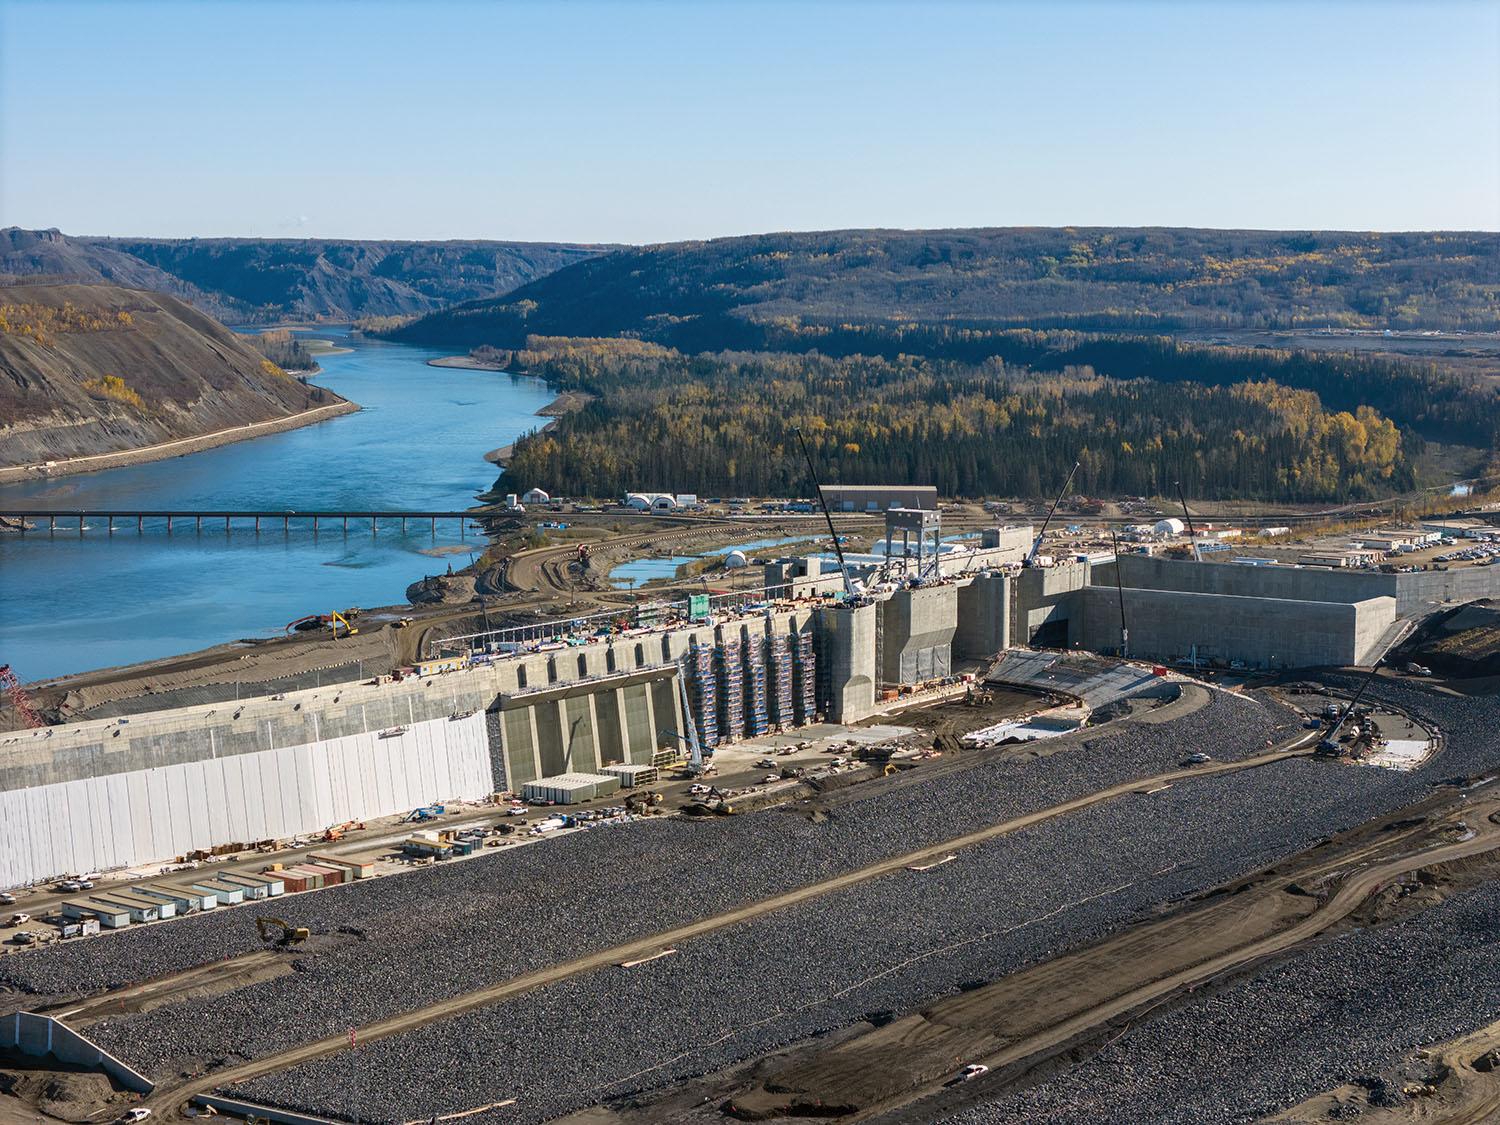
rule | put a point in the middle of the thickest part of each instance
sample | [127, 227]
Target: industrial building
[878, 497]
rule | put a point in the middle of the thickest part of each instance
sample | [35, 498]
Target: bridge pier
[111, 525]
[226, 527]
[169, 525]
[346, 525]
[286, 525]
[434, 527]
[372, 527]
[140, 522]
[257, 525]
[51, 523]
[199, 521]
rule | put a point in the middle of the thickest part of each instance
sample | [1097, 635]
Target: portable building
[84, 927]
[248, 891]
[273, 884]
[570, 788]
[185, 899]
[111, 917]
[144, 910]
[226, 894]
[126, 896]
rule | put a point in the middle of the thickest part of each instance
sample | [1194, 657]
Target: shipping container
[332, 876]
[356, 867]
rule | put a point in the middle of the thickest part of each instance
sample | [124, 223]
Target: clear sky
[636, 122]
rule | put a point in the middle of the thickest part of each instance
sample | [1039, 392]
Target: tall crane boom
[1037, 546]
[838, 548]
[18, 697]
[1192, 535]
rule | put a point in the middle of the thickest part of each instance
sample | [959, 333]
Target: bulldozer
[289, 935]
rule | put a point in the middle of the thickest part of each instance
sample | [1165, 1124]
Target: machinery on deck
[280, 931]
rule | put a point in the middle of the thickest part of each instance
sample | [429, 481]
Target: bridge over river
[110, 520]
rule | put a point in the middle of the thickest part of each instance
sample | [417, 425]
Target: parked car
[7, 899]
[70, 885]
[139, 1113]
[1196, 759]
[19, 919]
[765, 764]
[969, 1073]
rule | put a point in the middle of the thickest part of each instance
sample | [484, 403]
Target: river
[71, 604]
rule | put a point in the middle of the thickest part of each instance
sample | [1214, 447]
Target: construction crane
[695, 748]
[290, 934]
[1030, 559]
[1120, 590]
[838, 548]
[1192, 534]
[1330, 744]
[18, 698]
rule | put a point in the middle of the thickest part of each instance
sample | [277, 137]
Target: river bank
[178, 447]
[565, 403]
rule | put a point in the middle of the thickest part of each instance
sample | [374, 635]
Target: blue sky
[636, 122]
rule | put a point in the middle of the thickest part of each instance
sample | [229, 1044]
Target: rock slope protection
[91, 369]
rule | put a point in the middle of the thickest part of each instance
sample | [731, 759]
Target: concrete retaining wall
[124, 818]
[41, 1036]
[917, 634]
[1262, 632]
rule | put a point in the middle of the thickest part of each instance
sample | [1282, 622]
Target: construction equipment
[695, 748]
[1037, 546]
[1187, 516]
[289, 935]
[838, 548]
[426, 812]
[332, 620]
[1120, 590]
[18, 698]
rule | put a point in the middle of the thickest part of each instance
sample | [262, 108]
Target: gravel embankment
[1350, 1008]
[737, 993]
[889, 945]
[619, 882]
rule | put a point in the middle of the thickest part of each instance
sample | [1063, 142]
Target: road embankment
[176, 448]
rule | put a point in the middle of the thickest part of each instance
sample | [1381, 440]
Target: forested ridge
[728, 293]
[723, 422]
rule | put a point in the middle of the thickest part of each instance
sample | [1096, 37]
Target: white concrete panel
[155, 814]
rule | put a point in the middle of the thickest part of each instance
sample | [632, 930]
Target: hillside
[735, 292]
[49, 256]
[265, 281]
[91, 369]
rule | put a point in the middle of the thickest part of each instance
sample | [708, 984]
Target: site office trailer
[273, 886]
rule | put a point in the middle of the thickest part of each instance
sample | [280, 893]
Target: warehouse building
[878, 497]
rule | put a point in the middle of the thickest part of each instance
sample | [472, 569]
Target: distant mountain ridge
[736, 292]
[273, 280]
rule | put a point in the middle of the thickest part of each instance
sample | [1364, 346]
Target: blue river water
[71, 603]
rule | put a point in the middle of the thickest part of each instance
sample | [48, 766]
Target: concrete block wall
[983, 617]
[1262, 632]
[1043, 595]
[41, 1036]
[917, 628]
[848, 660]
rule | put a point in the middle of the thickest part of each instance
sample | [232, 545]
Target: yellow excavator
[289, 935]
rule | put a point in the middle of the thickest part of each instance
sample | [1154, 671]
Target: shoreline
[565, 403]
[175, 448]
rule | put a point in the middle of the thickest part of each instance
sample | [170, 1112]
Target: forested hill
[91, 369]
[729, 292]
[265, 281]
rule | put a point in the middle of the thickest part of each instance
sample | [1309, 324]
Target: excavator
[290, 934]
